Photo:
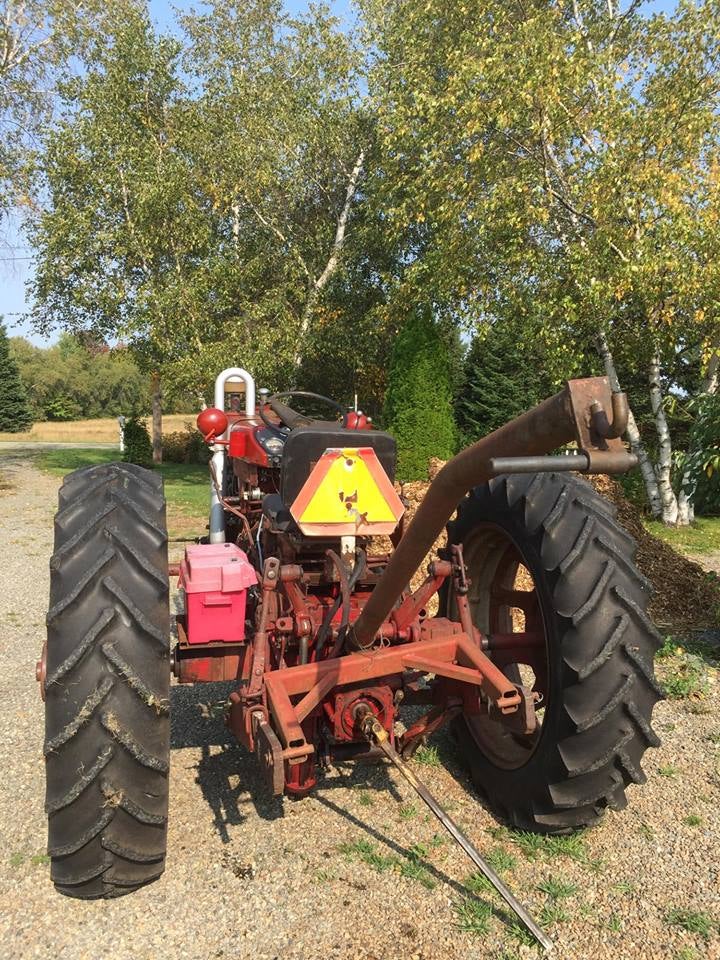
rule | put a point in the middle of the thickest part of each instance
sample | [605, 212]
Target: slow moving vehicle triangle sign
[347, 493]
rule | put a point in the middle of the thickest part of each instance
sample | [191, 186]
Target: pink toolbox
[215, 578]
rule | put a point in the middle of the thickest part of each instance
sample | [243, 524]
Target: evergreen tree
[14, 410]
[504, 376]
[418, 403]
[138, 446]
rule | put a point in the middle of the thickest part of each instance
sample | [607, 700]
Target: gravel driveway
[358, 870]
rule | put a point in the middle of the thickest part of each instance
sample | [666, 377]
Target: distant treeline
[79, 379]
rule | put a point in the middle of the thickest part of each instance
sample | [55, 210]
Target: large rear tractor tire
[107, 683]
[545, 554]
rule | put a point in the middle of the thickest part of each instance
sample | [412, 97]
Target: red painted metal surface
[212, 423]
[298, 701]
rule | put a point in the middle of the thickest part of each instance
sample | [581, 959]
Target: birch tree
[203, 196]
[557, 163]
[281, 150]
[118, 241]
[38, 38]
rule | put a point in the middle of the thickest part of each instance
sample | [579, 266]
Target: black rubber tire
[107, 727]
[600, 649]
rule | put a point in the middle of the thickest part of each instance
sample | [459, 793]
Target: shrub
[138, 446]
[504, 375]
[185, 446]
[418, 404]
[701, 464]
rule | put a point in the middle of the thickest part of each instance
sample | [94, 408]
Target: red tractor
[540, 653]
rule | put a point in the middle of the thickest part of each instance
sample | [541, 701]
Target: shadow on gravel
[228, 775]
[411, 856]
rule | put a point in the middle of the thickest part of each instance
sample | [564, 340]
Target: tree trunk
[633, 433]
[686, 508]
[712, 373]
[670, 510]
[319, 285]
[156, 417]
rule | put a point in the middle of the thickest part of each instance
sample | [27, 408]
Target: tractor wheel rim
[496, 568]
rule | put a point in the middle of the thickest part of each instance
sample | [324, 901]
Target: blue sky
[15, 264]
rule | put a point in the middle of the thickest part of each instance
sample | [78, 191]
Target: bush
[701, 463]
[185, 446]
[62, 407]
[138, 446]
[418, 405]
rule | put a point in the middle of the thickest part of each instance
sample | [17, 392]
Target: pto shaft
[374, 730]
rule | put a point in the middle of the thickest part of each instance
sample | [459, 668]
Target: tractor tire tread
[606, 643]
[108, 683]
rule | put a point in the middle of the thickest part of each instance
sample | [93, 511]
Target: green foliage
[694, 921]
[504, 375]
[552, 166]
[688, 678]
[40, 39]
[701, 462]
[500, 859]
[80, 378]
[138, 446]
[473, 915]
[534, 845]
[557, 889]
[428, 756]
[15, 414]
[195, 184]
[702, 536]
[413, 866]
[184, 446]
[418, 406]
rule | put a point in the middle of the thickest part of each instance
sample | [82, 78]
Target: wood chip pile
[685, 596]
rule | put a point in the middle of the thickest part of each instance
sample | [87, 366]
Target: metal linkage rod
[566, 462]
[373, 730]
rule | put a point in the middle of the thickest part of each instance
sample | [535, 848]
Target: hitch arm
[576, 413]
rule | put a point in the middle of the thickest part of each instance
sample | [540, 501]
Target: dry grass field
[87, 431]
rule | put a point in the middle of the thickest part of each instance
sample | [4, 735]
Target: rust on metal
[553, 423]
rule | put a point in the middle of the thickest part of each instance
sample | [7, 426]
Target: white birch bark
[633, 433]
[320, 283]
[664, 463]
[712, 374]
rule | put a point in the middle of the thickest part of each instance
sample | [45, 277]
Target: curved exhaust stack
[575, 413]
[217, 513]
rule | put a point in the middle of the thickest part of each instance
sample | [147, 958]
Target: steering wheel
[289, 417]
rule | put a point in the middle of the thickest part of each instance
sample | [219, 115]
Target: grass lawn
[88, 431]
[702, 537]
[186, 485]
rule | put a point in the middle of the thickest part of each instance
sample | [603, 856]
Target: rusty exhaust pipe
[570, 415]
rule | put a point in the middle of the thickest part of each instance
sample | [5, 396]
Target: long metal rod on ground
[375, 731]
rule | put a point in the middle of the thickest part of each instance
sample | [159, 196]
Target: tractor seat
[277, 513]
